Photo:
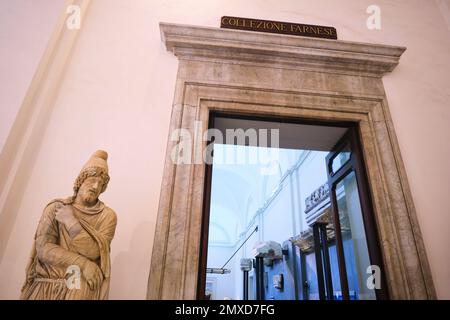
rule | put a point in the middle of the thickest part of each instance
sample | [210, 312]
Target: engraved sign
[295, 29]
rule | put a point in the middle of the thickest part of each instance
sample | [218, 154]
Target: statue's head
[93, 178]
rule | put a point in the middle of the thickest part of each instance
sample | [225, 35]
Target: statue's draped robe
[54, 251]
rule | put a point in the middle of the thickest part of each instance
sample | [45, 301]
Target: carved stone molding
[305, 240]
[283, 50]
[316, 197]
[263, 74]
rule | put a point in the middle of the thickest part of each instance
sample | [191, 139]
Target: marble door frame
[276, 75]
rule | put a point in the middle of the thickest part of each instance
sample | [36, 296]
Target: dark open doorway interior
[287, 213]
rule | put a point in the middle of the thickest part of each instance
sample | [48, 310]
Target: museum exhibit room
[225, 151]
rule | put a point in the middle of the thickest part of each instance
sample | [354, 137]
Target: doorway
[238, 72]
[287, 213]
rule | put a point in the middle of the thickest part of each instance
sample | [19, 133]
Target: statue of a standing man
[70, 257]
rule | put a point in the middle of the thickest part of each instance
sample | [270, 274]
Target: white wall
[117, 95]
[25, 29]
[225, 283]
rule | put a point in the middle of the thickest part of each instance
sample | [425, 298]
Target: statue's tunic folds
[54, 251]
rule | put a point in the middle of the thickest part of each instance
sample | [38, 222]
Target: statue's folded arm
[47, 248]
[85, 245]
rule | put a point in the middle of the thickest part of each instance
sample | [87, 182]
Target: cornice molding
[237, 46]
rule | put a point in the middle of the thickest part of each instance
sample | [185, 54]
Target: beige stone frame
[265, 74]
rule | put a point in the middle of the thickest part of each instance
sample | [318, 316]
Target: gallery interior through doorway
[287, 213]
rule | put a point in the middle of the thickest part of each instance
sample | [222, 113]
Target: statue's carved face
[91, 189]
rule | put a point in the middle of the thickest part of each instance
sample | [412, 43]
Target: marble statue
[70, 256]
